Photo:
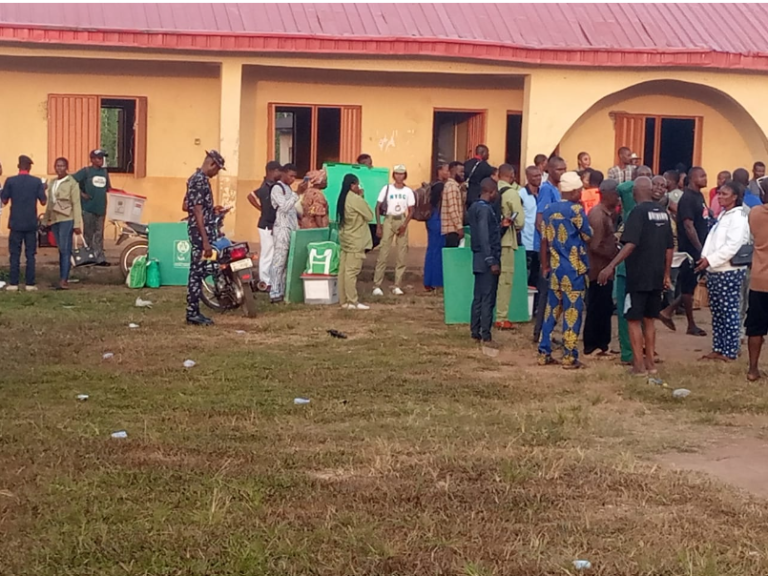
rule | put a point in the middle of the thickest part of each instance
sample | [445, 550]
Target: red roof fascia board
[383, 45]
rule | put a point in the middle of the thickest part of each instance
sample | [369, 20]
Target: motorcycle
[231, 282]
[138, 247]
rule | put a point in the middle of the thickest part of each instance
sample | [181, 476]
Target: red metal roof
[693, 35]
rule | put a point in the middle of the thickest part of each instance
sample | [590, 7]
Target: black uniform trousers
[597, 327]
[483, 303]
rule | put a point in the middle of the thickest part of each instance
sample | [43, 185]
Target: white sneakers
[358, 306]
[396, 291]
[16, 288]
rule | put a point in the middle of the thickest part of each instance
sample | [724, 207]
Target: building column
[550, 108]
[229, 137]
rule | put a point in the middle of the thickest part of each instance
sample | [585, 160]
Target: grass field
[417, 455]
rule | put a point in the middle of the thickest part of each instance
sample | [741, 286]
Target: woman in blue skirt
[433, 261]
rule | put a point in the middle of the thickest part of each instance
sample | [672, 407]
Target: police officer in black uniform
[201, 226]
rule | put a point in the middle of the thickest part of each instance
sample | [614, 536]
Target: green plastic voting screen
[372, 180]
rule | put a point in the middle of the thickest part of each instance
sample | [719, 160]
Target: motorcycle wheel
[228, 297]
[249, 300]
[130, 253]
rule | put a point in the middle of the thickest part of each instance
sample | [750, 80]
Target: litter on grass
[490, 351]
[240, 332]
[82, 397]
[337, 334]
[143, 303]
[680, 393]
[108, 355]
[582, 564]
[189, 363]
[132, 325]
[301, 400]
[119, 434]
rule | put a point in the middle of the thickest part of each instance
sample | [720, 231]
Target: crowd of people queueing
[653, 236]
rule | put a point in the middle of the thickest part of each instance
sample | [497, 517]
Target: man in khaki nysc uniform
[396, 201]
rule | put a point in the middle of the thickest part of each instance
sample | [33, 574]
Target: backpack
[422, 210]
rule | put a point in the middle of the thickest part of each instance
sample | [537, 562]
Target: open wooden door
[351, 133]
[74, 126]
[475, 133]
[630, 132]
[140, 130]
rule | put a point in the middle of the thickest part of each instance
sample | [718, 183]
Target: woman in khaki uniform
[65, 216]
[353, 216]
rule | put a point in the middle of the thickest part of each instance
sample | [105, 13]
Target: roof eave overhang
[382, 46]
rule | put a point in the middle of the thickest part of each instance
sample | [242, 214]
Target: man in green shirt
[94, 184]
[512, 221]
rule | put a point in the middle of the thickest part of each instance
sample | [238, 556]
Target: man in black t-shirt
[261, 200]
[692, 229]
[476, 170]
[648, 249]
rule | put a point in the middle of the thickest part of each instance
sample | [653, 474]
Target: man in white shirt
[396, 201]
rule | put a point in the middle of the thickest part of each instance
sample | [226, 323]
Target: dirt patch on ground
[741, 462]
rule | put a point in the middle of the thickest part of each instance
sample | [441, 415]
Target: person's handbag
[743, 256]
[383, 206]
[83, 255]
[45, 236]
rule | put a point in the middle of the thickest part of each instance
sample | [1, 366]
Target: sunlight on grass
[416, 454]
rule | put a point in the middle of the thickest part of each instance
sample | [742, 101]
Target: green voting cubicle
[372, 180]
[297, 260]
[459, 285]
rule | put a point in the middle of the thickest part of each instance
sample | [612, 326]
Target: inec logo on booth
[181, 253]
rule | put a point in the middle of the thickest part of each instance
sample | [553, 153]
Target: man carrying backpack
[512, 222]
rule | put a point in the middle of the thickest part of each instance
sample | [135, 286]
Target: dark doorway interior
[450, 136]
[669, 142]
[677, 141]
[328, 135]
[514, 141]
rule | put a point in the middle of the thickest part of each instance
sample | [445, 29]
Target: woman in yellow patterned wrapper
[565, 232]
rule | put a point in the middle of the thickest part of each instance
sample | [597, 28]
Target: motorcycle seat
[141, 229]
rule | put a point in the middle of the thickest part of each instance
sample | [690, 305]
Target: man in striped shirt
[624, 171]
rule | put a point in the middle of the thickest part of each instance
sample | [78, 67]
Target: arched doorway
[668, 122]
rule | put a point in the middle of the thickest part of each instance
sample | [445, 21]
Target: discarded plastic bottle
[301, 400]
[82, 397]
[189, 363]
[582, 564]
[681, 393]
[120, 434]
[108, 355]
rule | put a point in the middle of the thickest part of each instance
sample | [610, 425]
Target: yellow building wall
[397, 119]
[723, 146]
[557, 99]
[187, 102]
[183, 105]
